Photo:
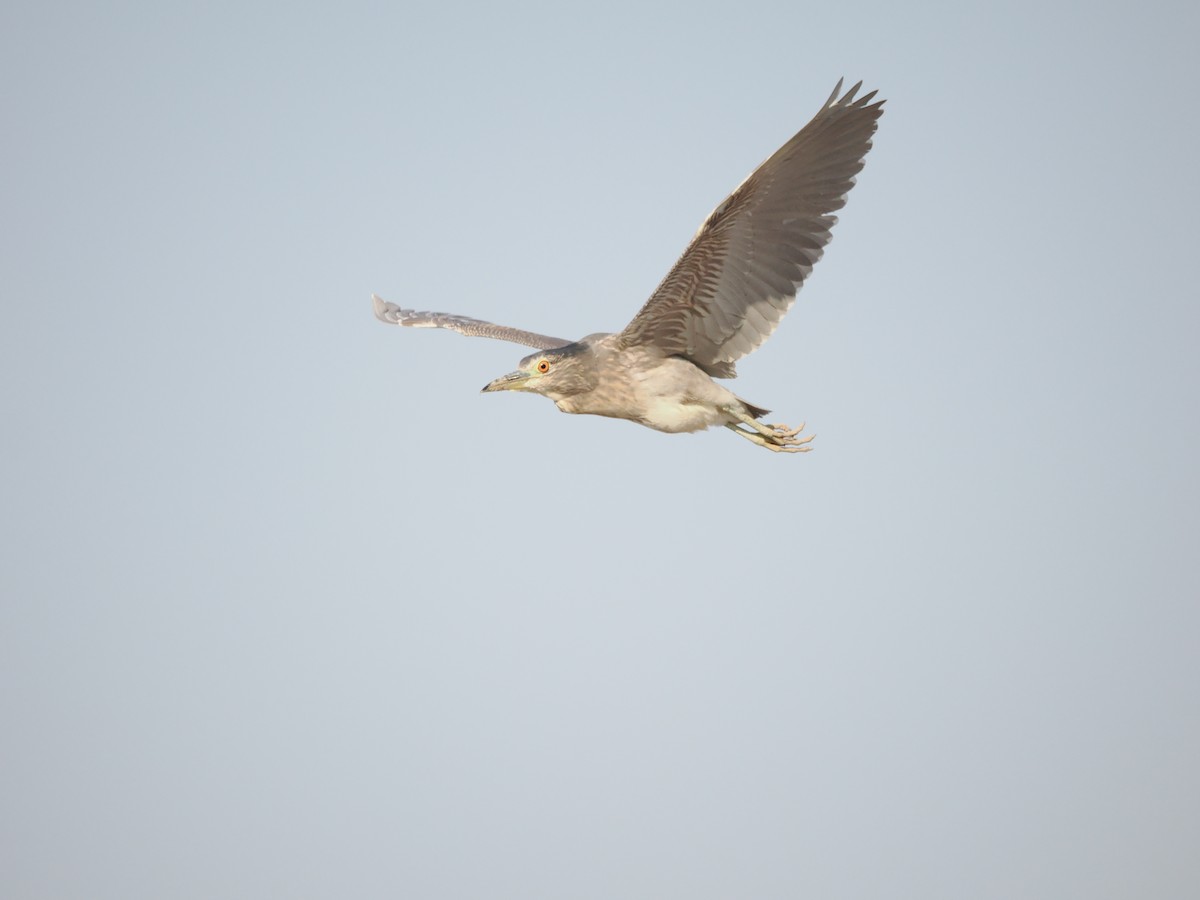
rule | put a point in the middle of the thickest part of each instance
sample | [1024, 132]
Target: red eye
[544, 366]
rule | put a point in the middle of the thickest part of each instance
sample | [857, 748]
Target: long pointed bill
[513, 381]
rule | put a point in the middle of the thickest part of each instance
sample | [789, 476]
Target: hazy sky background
[289, 609]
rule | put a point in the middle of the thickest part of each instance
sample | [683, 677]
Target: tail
[756, 411]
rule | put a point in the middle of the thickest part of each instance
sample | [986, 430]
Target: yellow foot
[777, 438]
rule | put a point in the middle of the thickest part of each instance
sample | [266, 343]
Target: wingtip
[382, 309]
[848, 100]
[837, 89]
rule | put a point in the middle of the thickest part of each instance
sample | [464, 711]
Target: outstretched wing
[394, 315]
[740, 274]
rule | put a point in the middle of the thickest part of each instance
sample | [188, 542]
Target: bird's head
[559, 373]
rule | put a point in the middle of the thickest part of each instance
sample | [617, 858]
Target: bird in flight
[723, 298]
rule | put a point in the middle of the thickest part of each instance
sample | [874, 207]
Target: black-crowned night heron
[723, 298]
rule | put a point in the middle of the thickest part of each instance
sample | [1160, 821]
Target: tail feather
[756, 411]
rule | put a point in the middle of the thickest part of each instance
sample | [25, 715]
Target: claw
[798, 447]
[776, 438]
[786, 437]
[785, 432]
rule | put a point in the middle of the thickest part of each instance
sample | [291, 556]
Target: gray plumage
[394, 315]
[722, 299]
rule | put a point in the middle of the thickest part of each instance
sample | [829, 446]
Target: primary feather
[740, 274]
[394, 315]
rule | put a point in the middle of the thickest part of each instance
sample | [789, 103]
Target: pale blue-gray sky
[288, 608]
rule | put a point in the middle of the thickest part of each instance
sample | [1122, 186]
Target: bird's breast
[669, 395]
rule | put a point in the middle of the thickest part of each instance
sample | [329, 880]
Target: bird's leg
[779, 438]
[790, 446]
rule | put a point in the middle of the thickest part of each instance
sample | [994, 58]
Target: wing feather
[394, 315]
[739, 275]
